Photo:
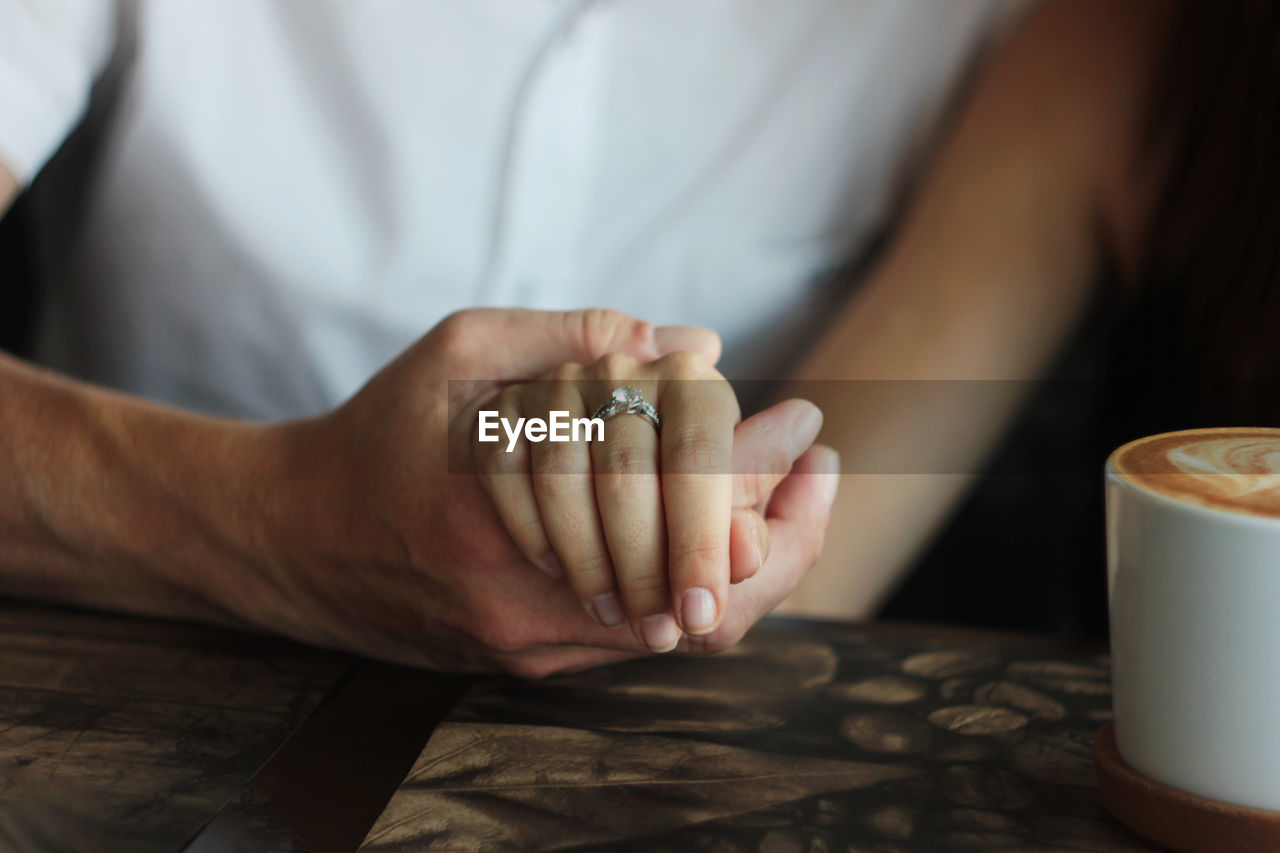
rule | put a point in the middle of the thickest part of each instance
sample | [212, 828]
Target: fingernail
[660, 632]
[831, 482]
[804, 429]
[698, 611]
[553, 566]
[608, 610]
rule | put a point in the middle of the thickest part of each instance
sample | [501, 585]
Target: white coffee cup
[1194, 587]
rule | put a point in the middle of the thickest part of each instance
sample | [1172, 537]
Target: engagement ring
[628, 400]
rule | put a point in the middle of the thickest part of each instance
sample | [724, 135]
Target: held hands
[380, 546]
[642, 522]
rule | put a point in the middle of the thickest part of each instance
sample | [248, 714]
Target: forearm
[108, 501]
[914, 404]
[986, 278]
[926, 365]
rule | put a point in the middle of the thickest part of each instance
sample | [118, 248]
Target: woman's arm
[989, 273]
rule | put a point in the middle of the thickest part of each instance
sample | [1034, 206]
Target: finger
[766, 444]
[629, 495]
[695, 339]
[748, 544]
[504, 473]
[699, 414]
[565, 492]
[798, 517]
[517, 344]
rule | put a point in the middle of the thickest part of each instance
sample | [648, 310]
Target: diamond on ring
[628, 400]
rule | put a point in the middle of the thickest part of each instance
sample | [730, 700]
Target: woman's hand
[642, 520]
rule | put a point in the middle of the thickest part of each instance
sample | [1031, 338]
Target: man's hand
[377, 544]
[350, 530]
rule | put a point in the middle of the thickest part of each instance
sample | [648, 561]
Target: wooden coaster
[1176, 818]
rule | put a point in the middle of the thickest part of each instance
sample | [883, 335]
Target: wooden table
[808, 737]
[134, 732]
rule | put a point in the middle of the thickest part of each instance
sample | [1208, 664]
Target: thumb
[767, 444]
[798, 517]
[513, 344]
[669, 339]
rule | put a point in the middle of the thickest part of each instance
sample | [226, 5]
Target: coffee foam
[1231, 469]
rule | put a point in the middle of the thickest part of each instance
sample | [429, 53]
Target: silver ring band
[628, 400]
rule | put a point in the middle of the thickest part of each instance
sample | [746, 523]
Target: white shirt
[286, 193]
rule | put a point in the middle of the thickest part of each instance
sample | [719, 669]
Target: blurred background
[1025, 549]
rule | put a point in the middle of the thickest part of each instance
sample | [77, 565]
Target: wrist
[309, 536]
[269, 520]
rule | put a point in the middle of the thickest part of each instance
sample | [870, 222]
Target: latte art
[1220, 461]
[1231, 469]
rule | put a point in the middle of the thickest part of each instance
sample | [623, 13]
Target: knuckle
[645, 586]
[616, 365]
[722, 392]
[599, 328]
[456, 332]
[641, 337]
[701, 558]
[567, 372]
[715, 389]
[558, 488]
[694, 452]
[625, 458]
[555, 465]
[685, 365]
[561, 391]
[591, 567]
[554, 487]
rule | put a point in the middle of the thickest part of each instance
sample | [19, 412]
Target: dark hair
[1214, 238]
